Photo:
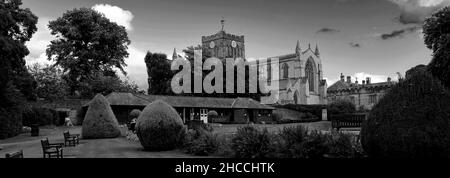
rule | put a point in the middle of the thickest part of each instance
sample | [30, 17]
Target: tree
[106, 84]
[159, 73]
[50, 84]
[87, 42]
[437, 38]
[17, 26]
[189, 51]
[410, 121]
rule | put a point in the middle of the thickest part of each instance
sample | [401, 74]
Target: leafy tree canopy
[86, 42]
[436, 30]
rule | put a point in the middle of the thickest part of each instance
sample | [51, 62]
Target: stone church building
[300, 73]
[300, 78]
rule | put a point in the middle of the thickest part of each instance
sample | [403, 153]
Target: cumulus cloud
[415, 11]
[136, 68]
[327, 30]
[400, 33]
[39, 42]
[116, 14]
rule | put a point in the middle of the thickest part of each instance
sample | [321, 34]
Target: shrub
[201, 142]
[341, 107]
[250, 142]
[100, 121]
[135, 113]
[159, 127]
[340, 144]
[40, 115]
[314, 146]
[277, 117]
[315, 110]
[411, 120]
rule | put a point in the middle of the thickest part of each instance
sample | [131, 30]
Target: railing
[347, 120]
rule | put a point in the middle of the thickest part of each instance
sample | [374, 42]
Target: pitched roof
[129, 99]
[342, 85]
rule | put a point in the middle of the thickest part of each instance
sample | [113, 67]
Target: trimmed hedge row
[40, 115]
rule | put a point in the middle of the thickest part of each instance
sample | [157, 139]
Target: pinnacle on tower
[317, 51]
[298, 50]
[174, 55]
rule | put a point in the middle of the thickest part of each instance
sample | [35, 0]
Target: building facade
[300, 73]
[300, 78]
[364, 95]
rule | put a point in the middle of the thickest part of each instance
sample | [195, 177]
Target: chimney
[389, 79]
[363, 82]
[342, 77]
[356, 81]
[368, 80]
[349, 79]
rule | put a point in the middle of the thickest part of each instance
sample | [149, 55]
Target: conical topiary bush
[411, 121]
[159, 127]
[100, 121]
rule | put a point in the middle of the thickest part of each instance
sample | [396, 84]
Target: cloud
[355, 44]
[116, 14]
[327, 30]
[415, 11]
[136, 68]
[399, 33]
[39, 42]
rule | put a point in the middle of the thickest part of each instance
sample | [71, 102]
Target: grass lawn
[115, 147]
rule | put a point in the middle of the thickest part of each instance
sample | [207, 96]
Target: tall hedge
[411, 121]
[159, 127]
[100, 121]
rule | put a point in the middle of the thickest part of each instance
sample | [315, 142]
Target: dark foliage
[250, 142]
[437, 38]
[87, 42]
[201, 142]
[315, 110]
[341, 107]
[40, 115]
[17, 26]
[411, 121]
[159, 73]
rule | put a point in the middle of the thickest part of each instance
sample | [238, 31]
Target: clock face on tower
[212, 44]
[233, 44]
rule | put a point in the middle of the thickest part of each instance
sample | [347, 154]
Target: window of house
[372, 99]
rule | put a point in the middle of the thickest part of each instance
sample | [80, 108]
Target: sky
[359, 38]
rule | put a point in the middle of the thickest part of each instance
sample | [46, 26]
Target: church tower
[224, 45]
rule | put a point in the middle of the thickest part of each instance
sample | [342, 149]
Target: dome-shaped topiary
[411, 121]
[100, 121]
[159, 127]
[135, 113]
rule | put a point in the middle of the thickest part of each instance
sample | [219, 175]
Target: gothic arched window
[309, 71]
[269, 72]
[285, 71]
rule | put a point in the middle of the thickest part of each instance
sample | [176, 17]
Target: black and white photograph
[224, 86]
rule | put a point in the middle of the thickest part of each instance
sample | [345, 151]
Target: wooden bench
[347, 120]
[17, 154]
[52, 149]
[71, 139]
